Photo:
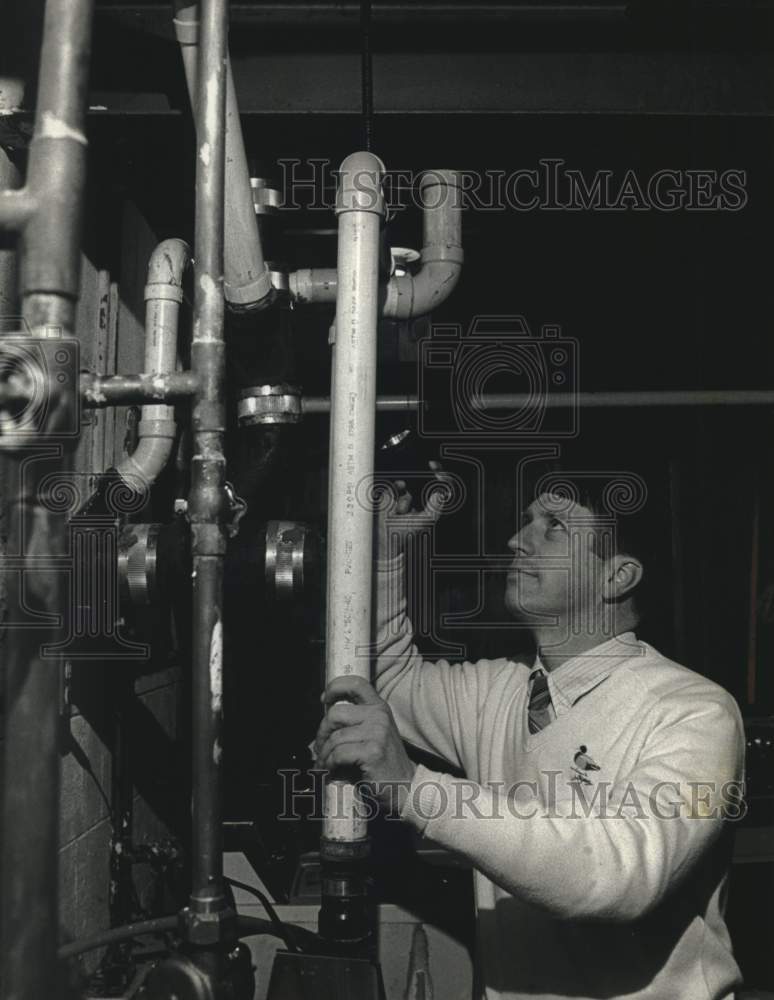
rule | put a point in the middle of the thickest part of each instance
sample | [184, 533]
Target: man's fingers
[345, 755]
[339, 716]
[349, 687]
[341, 737]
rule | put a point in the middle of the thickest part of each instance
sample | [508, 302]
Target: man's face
[557, 572]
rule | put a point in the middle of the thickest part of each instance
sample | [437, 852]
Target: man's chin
[521, 609]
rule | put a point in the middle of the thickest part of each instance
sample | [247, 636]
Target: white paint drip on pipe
[216, 666]
[52, 127]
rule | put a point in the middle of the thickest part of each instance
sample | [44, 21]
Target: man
[598, 777]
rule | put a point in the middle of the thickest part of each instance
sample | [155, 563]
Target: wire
[116, 934]
[245, 926]
[283, 929]
[366, 73]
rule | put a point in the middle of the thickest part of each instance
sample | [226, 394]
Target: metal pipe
[411, 13]
[208, 921]
[16, 209]
[360, 209]
[407, 295]
[50, 276]
[163, 295]
[101, 391]
[9, 180]
[51, 241]
[585, 400]
[247, 278]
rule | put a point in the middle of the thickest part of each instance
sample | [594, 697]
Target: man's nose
[517, 543]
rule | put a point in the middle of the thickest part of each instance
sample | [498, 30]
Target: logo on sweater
[583, 762]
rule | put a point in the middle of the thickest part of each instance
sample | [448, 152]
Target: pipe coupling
[266, 199]
[138, 563]
[269, 404]
[291, 559]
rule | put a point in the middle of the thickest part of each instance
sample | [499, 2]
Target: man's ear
[622, 574]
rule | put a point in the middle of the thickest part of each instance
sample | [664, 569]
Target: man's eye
[554, 523]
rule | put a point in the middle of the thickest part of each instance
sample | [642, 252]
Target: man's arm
[615, 859]
[435, 704]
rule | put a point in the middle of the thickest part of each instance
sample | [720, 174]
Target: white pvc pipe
[418, 294]
[163, 296]
[247, 280]
[407, 296]
[360, 209]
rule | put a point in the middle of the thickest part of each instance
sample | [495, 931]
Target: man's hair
[631, 505]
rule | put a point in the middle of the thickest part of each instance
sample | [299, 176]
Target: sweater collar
[578, 675]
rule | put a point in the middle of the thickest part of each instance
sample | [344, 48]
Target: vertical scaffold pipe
[360, 210]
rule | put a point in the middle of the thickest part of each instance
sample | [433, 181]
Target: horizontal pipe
[584, 400]
[343, 14]
[16, 209]
[100, 391]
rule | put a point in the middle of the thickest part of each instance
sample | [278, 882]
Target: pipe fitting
[312, 285]
[411, 295]
[269, 404]
[404, 296]
[163, 296]
[360, 184]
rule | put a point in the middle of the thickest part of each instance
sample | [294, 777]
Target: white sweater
[589, 883]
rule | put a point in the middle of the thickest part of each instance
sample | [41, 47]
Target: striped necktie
[539, 712]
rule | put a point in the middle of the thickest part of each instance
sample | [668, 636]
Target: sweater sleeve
[611, 855]
[436, 704]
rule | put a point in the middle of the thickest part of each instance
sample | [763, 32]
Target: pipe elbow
[166, 268]
[409, 296]
[142, 468]
[360, 184]
[251, 295]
